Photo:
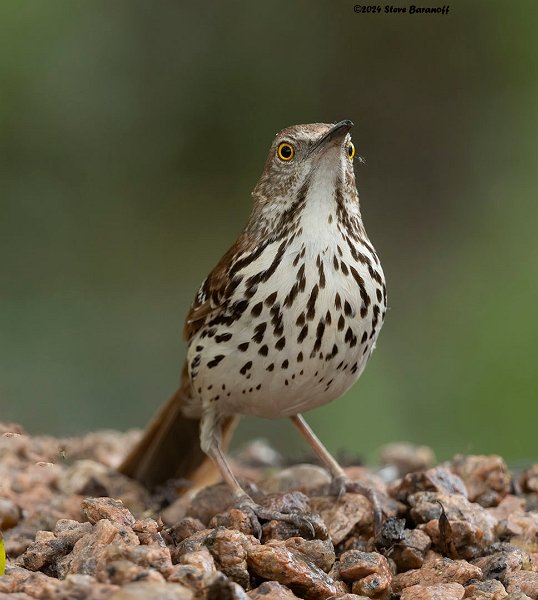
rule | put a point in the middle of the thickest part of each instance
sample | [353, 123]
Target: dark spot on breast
[250, 291]
[239, 307]
[362, 290]
[364, 337]
[233, 285]
[341, 323]
[337, 301]
[375, 275]
[270, 367]
[320, 329]
[285, 364]
[245, 367]
[276, 261]
[350, 337]
[300, 320]
[264, 350]
[348, 311]
[302, 334]
[270, 300]
[379, 294]
[300, 357]
[280, 343]
[276, 320]
[301, 278]
[257, 309]
[292, 294]
[243, 347]
[344, 268]
[223, 337]
[311, 304]
[215, 361]
[259, 330]
[375, 319]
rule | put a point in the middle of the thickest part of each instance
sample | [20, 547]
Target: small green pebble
[2, 556]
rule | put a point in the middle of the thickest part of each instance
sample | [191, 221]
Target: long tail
[170, 447]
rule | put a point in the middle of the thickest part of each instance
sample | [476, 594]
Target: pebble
[280, 564]
[440, 570]
[10, 514]
[486, 478]
[96, 509]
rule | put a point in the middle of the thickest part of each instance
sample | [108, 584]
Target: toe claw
[247, 505]
[257, 513]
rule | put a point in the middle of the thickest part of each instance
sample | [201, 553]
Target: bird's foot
[258, 513]
[342, 485]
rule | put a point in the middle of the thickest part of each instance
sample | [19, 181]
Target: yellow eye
[351, 150]
[285, 151]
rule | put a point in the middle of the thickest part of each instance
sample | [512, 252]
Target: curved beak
[336, 133]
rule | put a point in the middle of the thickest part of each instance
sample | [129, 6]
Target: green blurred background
[131, 135]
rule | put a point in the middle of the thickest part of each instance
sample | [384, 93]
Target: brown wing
[215, 291]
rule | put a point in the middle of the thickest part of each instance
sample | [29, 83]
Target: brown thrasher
[284, 323]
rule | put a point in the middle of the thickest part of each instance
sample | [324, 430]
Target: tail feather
[170, 448]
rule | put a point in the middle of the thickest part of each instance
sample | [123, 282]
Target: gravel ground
[76, 529]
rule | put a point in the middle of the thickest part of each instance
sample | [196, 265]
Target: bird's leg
[340, 483]
[210, 440]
